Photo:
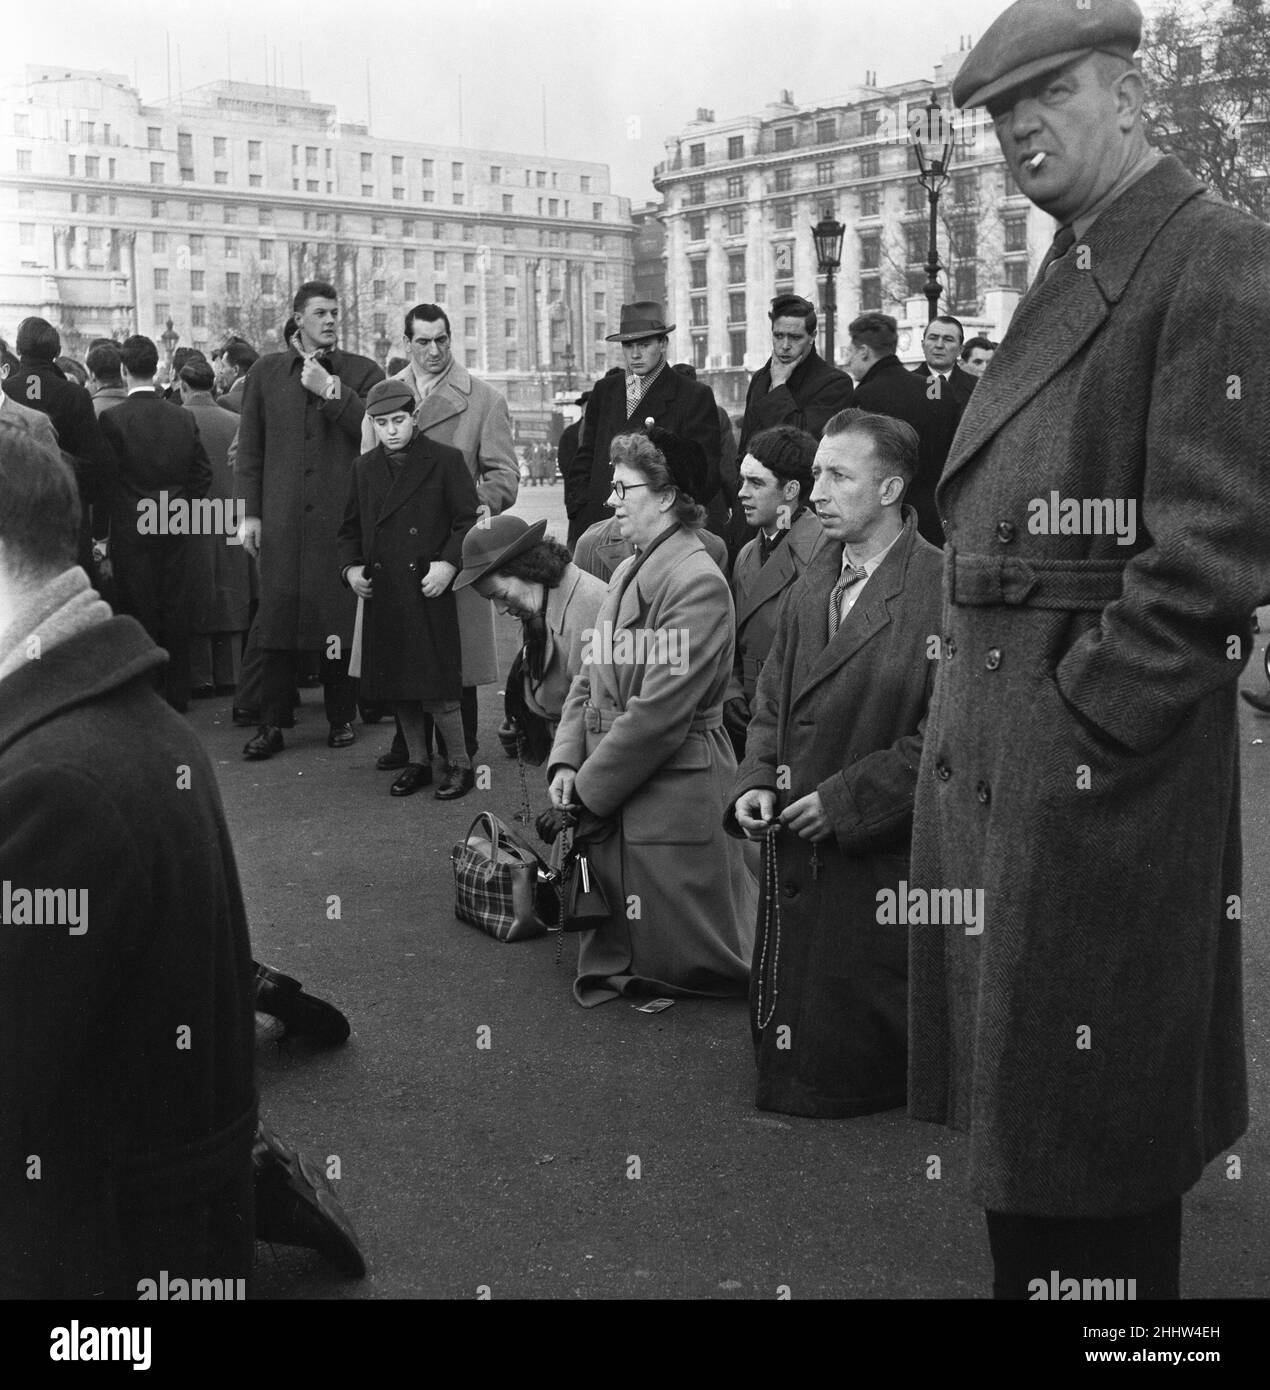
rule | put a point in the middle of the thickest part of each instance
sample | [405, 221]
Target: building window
[408, 290]
[870, 199]
[92, 167]
[438, 291]
[915, 243]
[696, 191]
[869, 164]
[407, 260]
[196, 245]
[266, 250]
[469, 328]
[736, 186]
[21, 124]
[783, 214]
[870, 250]
[736, 348]
[267, 283]
[469, 295]
[398, 165]
[160, 278]
[162, 311]
[158, 208]
[197, 281]
[368, 163]
[253, 151]
[194, 212]
[220, 176]
[508, 202]
[967, 286]
[824, 171]
[233, 284]
[1016, 275]
[469, 262]
[377, 258]
[696, 156]
[368, 190]
[870, 294]
[230, 213]
[438, 260]
[26, 235]
[510, 359]
[26, 198]
[736, 308]
[584, 183]
[700, 313]
[699, 346]
[425, 166]
[736, 267]
[187, 174]
[826, 131]
[469, 232]
[965, 240]
[916, 198]
[736, 222]
[154, 137]
[784, 180]
[697, 227]
[509, 265]
[231, 248]
[509, 297]
[965, 189]
[697, 272]
[597, 212]
[469, 358]
[553, 207]
[736, 146]
[1016, 233]
[456, 172]
[92, 203]
[785, 137]
[598, 273]
[156, 171]
[220, 147]
[541, 179]
[265, 217]
[198, 316]
[24, 163]
[407, 230]
[379, 289]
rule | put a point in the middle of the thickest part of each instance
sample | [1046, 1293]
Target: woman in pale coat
[641, 746]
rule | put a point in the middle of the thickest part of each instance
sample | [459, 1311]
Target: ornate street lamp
[169, 338]
[932, 138]
[828, 234]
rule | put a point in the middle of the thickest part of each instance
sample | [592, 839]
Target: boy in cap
[410, 502]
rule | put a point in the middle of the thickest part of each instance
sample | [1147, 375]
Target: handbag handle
[501, 834]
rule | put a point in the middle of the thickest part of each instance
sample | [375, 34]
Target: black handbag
[583, 905]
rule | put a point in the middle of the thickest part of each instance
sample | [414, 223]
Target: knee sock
[410, 720]
[449, 724]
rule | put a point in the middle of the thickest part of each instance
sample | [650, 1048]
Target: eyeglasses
[621, 489]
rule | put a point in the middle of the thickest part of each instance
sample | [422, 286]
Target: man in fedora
[621, 404]
[1088, 1034]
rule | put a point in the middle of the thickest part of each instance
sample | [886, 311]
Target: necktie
[1064, 240]
[849, 576]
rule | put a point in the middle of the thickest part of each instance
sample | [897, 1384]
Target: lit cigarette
[1035, 162]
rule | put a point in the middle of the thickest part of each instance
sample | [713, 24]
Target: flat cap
[1034, 37]
[387, 397]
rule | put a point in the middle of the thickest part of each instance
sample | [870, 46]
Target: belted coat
[295, 456]
[397, 522]
[471, 416]
[646, 736]
[1081, 760]
[845, 716]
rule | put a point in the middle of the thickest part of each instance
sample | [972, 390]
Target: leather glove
[552, 821]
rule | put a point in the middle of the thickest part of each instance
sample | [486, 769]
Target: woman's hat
[492, 542]
[685, 459]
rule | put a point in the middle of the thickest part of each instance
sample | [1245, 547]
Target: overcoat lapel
[443, 403]
[1058, 316]
[388, 493]
[771, 579]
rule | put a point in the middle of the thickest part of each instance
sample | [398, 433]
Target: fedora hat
[643, 319]
[491, 544]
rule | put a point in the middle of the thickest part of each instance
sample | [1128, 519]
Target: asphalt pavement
[599, 1153]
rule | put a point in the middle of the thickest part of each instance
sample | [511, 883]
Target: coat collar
[1057, 317]
[652, 573]
[795, 552]
[392, 492]
[890, 363]
[86, 667]
[452, 397]
[818, 657]
[559, 599]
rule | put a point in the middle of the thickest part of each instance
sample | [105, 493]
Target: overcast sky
[602, 63]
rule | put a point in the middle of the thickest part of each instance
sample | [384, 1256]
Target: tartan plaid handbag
[501, 884]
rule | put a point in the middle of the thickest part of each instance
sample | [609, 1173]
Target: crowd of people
[842, 729]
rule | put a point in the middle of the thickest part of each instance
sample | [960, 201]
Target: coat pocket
[678, 805]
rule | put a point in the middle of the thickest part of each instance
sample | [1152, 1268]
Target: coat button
[1005, 532]
[942, 770]
[993, 659]
[378, 566]
[984, 792]
[412, 565]
[414, 530]
[790, 890]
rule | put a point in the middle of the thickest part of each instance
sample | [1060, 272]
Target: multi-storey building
[741, 197]
[208, 210]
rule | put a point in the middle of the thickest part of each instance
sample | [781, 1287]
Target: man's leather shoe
[266, 743]
[341, 736]
[414, 777]
[1261, 703]
[458, 782]
[303, 1015]
[396, 756]
[295, 1205]
[245, 718]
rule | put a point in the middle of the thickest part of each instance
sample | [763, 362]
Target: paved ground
[508, 1167]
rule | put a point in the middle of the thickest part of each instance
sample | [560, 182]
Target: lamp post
[828, 234]
[932, 139]
[169, 338]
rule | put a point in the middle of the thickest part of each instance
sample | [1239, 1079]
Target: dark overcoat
[758, 589]
[295, 456]
[814, 393]
[676, 403]
[889, 388]
[225, 582]
[397, 525]
[845, 717]
[1081, 762]
[144, 1133]
[647, 737]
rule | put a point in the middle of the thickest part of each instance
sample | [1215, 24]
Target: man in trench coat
[1106, 498]
[299, 433]
[841, 708]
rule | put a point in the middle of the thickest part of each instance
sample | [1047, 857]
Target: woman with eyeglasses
[641, 747]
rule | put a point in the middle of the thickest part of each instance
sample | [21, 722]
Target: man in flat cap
[1105, 501]
[620, 404]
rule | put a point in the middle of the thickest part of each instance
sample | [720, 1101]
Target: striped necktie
[848, 578]
[1064, 240]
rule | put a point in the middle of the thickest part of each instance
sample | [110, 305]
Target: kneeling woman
[410, 502]
[641, 746]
